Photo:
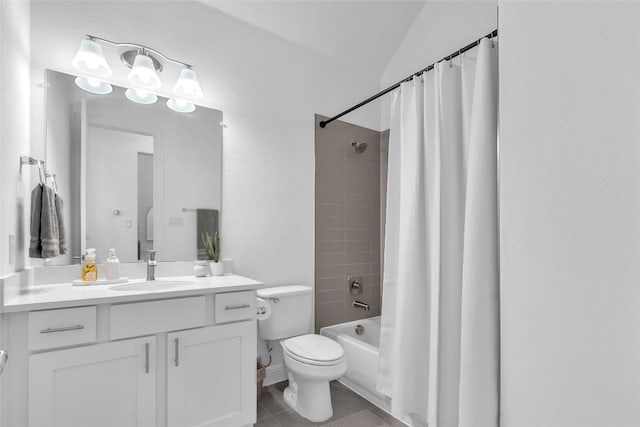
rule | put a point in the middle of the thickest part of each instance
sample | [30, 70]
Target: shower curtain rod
[470, 46]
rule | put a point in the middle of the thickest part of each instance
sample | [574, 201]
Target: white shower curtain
[439, 341]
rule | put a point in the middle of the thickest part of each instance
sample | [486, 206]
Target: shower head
[359, 146]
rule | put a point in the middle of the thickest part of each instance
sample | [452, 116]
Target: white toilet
[311, 360]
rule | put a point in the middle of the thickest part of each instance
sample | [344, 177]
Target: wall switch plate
[176, 221]
[355, 285]
[12, 248]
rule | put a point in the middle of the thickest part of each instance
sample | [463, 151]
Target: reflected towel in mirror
[35, 246]
[61, 230]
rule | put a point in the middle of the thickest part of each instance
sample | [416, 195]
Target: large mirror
[132, 176]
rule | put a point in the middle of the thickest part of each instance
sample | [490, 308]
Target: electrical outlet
[12, 248]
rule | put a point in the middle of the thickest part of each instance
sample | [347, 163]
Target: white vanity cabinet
[110, 384]
[184, 361]
[211, 376]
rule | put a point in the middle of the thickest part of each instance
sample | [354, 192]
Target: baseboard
[275, 374]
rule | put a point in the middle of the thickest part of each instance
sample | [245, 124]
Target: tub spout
[360, 304]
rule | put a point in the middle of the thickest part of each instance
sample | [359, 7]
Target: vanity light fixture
[93, 85]
[90, 59]
[141, 96]
[146, 64]
[143, 73]
[187, 85]
[181, 106]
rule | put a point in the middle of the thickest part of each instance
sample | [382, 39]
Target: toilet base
[310, 399]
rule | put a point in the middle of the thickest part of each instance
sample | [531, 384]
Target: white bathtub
[362, 352]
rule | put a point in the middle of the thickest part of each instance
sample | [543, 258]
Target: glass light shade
[93, 85]
[143, 73]
[187, 85]
[141, 96]
[90, 59]
[181, 106]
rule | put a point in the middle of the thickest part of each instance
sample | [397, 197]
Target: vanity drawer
[62, 327]
[235, 306]
[152, 317]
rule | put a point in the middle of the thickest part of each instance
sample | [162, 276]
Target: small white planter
[201, 269]
[217, 268]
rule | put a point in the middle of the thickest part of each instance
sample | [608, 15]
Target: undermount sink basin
[153, 285]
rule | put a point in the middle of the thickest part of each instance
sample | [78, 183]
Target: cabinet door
[111, 384]
[212, 376]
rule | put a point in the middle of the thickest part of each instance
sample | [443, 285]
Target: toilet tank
[290, 311]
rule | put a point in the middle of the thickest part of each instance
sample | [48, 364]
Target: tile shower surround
[347, 222]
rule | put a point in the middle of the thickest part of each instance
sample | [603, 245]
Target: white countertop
[66, 295]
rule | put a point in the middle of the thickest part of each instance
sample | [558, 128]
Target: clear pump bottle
[112, 266]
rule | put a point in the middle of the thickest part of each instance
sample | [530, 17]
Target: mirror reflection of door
[117, 180]
[145, 203]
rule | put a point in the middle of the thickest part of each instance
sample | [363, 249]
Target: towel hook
[40, 172]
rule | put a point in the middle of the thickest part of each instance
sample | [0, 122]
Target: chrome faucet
[360, 304]
[151, 265]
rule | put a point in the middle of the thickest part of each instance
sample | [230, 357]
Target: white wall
[268, 89]
[14, 129]
[570, 213]
[441, 28]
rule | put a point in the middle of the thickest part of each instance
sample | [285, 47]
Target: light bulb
[141, 96]
[181, 106]
[90, 59]
[187, 85]
[93, 85]
[93, 82]
[143, 73]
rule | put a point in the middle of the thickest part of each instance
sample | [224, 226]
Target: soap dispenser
[112, 266]
[89, 268]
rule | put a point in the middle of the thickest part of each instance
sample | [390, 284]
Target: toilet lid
[314, 348]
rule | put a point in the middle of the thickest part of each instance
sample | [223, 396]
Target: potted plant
[212, 250]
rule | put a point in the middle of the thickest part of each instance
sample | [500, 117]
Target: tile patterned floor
[348, 409]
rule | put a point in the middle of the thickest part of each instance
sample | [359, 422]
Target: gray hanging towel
[61, 231]
[206, 222]
[49, 233]
[35, 245]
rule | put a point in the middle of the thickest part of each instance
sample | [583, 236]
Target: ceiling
[358, 33]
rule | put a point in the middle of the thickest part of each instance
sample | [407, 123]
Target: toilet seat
[314, 350]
